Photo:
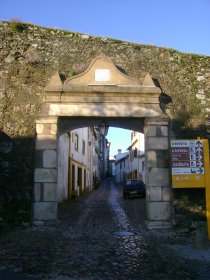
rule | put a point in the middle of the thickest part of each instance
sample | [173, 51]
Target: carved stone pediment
[101, 75]
[101, 71]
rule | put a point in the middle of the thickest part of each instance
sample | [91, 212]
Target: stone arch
[102, 92]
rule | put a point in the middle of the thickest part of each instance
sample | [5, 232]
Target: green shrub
[17, 25]
[71, 74]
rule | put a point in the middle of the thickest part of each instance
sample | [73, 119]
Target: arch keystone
[148, 81]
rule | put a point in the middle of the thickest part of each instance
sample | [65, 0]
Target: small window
[76, 142]
[83, 147]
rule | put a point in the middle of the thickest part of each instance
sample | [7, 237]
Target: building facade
[131, 164]
[82, 161]
[121, 167]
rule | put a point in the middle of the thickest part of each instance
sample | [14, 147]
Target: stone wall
[29, 55]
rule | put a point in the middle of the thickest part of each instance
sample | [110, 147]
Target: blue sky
[180, 24]
[183, 25]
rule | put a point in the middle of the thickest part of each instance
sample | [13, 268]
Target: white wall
[63, 160]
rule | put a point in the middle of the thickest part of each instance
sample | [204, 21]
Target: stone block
[164, 131]
[39, 128]
[37, 192]
[154, 193]
[167, 193]
[45, 211]
[152, 158]
[158, 177]
[46, 119]
[49, 158]
[152, 110]
[159, 211]
[157, 143]
[45, 175]
[49, 191]
[156, 121]
[46, 142]
[54, 109]
[39, 159]
[46, 129]
[162, 158]
[151, 130]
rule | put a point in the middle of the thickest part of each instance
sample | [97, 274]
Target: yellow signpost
[190, 167]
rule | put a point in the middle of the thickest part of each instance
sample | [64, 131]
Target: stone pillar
[157, 177]
[45, 173]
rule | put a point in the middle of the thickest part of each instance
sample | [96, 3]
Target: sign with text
[187, 163]
[190, 167]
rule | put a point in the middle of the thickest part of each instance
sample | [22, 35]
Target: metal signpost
[190, 167]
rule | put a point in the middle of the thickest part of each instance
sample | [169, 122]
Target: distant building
[136, 156]
[131, 164]
[112, 161]
[121, 166]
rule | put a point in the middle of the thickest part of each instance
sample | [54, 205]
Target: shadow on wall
[16, 173]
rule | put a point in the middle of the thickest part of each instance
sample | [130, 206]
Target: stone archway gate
[103, 91]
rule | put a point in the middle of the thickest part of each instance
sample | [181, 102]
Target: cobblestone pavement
[100, 236]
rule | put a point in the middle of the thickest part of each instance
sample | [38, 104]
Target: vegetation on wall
[30, 55]
[17, 25]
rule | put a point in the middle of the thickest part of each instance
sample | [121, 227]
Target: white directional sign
[186, 143]
[187, 157]
[198, 170]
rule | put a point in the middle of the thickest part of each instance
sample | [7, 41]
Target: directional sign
[187, 162]
[190, 167]
[199, 156]
[180, 150]
[198, 170]
[180, 156]
[199, 163]
[199, 150]
[186, 143]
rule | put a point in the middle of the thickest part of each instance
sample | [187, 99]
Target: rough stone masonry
[30, 55]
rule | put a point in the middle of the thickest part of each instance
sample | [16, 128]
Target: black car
[134, 188]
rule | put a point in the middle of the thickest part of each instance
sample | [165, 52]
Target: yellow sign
[190, 167]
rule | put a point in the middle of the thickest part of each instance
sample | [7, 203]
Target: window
[83, 147]
[76, 142]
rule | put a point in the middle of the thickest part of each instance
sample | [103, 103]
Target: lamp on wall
[103, 128]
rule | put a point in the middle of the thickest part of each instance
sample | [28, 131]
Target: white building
[131, 164]
[82, 161]
[121, 166]
[136, 150]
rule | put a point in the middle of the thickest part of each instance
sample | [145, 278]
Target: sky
[183, 25]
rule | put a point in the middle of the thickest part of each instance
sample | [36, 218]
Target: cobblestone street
[98, 236]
